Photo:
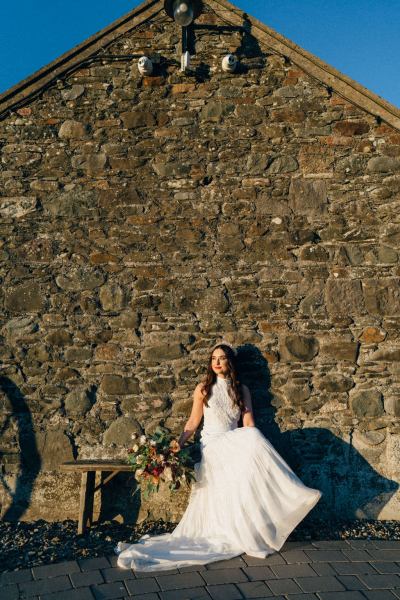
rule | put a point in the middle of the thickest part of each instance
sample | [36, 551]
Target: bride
[246, 498]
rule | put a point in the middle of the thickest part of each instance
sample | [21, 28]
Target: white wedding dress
[246, 498]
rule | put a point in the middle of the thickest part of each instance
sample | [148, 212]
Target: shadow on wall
[29, 458]
[249, 45]
[350, 485]
[118, 497]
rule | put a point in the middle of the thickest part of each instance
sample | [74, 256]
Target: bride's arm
[248, 417]
[195, 416]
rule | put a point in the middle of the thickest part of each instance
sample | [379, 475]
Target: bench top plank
[95, 465]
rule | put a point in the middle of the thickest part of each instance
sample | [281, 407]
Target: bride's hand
[182, 439]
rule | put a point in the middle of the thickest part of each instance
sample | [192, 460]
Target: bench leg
[86, 500]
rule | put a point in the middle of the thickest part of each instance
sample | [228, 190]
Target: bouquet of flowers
[159, 457]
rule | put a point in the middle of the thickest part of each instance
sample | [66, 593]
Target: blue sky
[361, 38]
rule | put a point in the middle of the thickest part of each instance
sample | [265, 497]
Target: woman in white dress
[246, 498]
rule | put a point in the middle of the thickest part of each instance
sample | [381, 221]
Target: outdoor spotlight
[184, 12]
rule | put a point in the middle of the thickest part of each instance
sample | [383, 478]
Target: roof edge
[349, 89]
[343, 85]
[70, 59]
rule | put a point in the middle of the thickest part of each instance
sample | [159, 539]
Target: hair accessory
[225, 343]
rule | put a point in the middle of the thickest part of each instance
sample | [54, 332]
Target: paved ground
[331, 570]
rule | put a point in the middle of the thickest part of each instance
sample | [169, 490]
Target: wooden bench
[88, 469]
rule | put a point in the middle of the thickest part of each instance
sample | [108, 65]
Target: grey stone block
[9, 592]
[356, 568]
[296, 556]
[331, 544]
[152, 596]
[326, 555]
[287, 571]
[320, 584]
[64, 568]
[116, 574]
[351, 595]
[181, 580]
[45, 586]
[224, 576]
[226, 591]
[112, 559]
[351, 582]
[387, 544]
[190, 568]
[357, 555]
[198, 593]
[283, 586]
[259, 573]
[15, 577]
[272, 559]
[87, 578]
[392, 555]
[296, 546]
[231, 563]
[385, 567]
[381, 581]
[144, 574]
[380, 595]
[254, 589]
[91, 564]
[141, 586]
[80, 594]
[324, 568]
[300, 597]
[363, 543]
[109, 591]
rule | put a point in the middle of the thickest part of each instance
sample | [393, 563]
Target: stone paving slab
[357, 568]
[151, 596]
[81, 594]
[254, 589]
[43, 586]
[182, 580]
[86, 579]
[342, 570]
[284, 586]
[381, 595]
[141, 586]
[323, 568]
[386, 567]
[259, 573]
[199, 593]
[225, 591]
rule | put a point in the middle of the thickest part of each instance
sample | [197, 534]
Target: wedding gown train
[246, 498]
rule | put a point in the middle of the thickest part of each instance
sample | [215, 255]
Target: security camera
[229, 63]
[145, 65]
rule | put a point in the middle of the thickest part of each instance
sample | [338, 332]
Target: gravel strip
[31, 544]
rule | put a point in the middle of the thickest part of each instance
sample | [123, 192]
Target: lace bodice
[220, 414]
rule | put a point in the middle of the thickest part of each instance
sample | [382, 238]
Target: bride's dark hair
[235, 389]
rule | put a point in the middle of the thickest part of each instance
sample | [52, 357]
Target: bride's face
[219, 362]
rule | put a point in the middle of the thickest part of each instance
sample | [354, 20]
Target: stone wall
[144, 218]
